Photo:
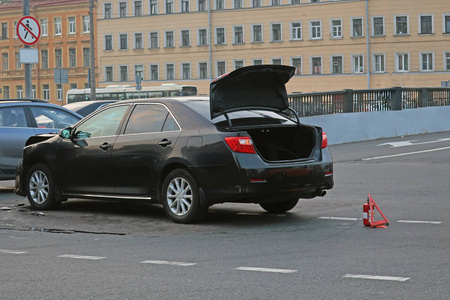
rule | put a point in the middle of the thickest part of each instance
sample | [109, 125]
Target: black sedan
[238, 145]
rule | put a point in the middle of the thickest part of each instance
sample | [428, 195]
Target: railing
[346, 101]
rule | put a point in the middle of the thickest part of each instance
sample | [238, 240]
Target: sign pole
[28, 85]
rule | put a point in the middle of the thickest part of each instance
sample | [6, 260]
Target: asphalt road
[319, 250]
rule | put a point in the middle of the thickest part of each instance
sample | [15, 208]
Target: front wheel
[41, 188]
[180, 197]
[279, 207]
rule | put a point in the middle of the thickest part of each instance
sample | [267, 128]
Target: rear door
[139, 153]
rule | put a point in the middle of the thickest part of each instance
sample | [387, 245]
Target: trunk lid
[252, 87]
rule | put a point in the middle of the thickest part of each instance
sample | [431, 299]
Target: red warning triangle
[373, 223]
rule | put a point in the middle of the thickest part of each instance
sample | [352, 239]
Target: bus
[125, 92]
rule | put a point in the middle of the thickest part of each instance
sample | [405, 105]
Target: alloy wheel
[179, 196]
[39, 187]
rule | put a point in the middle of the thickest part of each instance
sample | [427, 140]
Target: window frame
[420, 24]
[375, 63]
[296, 32]
[353, 35]
[397, 61]
[396, 29]
[361, 63]
[312, 30]
[430, 65]
[373, 26]
[332, 71]
[272, 32]
[332, 27]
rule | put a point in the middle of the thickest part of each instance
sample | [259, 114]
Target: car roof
[22, 100]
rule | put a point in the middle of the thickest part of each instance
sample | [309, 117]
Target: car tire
[181, 198]
[41, 188]
[279, 207]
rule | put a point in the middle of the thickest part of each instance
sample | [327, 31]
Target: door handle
[105, 146]
[164, 143]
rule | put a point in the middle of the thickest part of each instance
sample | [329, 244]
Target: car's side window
[147, 118]
[49, 117]
[12, 117]
[104, 123]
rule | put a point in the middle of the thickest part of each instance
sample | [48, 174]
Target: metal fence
[346, 101]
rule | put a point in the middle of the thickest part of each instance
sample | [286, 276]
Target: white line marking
[419, 222]
[339, 218]
[390, 278]
[285, 271]
[407, 153]
[12, 251]
[170, 263]
[411, 143]
[81, 257]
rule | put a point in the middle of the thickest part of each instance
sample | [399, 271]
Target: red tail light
[240, 144]
[324, 140]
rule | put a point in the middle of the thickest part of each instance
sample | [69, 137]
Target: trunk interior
[284, 143]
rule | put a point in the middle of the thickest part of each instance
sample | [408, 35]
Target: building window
[379, 63]
[257, 61]
[185, 5]
[256, 3]
[57, 26]
[59, 92]
[357, 27]
[86, 26]
[123, 73]
[202, 37]
[72, 29]
[401, 25]
[186, 70]
[138, 41]
[257, 36]
[153, 7]
[15, 29]
[276, 32]
[220, 4]
[33, 91]
[86, 57]
[446, 23]
[46, 92]
[378, 26]
[4, 31]
[220, 36]
[107, 11]
[276, 2]
[18, 64]
[296, 1]
[358, 63]
[447, 61]
[402, 60]
[122, 9]
[238, 64]
[19, 91]
[336, 28]
[238, 4]
[238, 34]
[277, 61]
[315, 31]
[109, 74]
[170, 71]
[154, 72]
[426, 61]
[72, 57]
[296, 31]
[139, 71]
[221, 68]
[203, 70]
[154, 40]
[185, 38]
[202, 5]
[5, 61]
[316, 63]
[297, 64]
[44, 27]
[123, 38]
[108, 42]
[6, 92]
[44, 59]
[137, 8]
[169, 7]
[169, 39]
[426, 24]
[58, 58]
[337, 65]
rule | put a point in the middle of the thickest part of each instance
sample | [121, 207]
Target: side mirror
[66, 133]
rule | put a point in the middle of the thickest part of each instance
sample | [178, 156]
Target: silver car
[23, 118]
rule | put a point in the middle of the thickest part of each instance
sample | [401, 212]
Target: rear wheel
[279, 207]
[41, 188]
[180, 197]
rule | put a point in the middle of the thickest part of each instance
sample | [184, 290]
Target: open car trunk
[284, 143]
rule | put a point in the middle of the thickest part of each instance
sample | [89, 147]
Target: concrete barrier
[355, 127]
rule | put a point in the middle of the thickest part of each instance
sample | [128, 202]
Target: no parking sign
[28, 30]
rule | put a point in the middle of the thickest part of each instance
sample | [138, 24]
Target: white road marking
[170, 263]
[81, 257]
[390, 278]
[284, 271]
[411, 143]
[5, 251]
[419, 222]
[407, 153]
[339, 218]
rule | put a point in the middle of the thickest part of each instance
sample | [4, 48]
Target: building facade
[334, 45]
[64, 44]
